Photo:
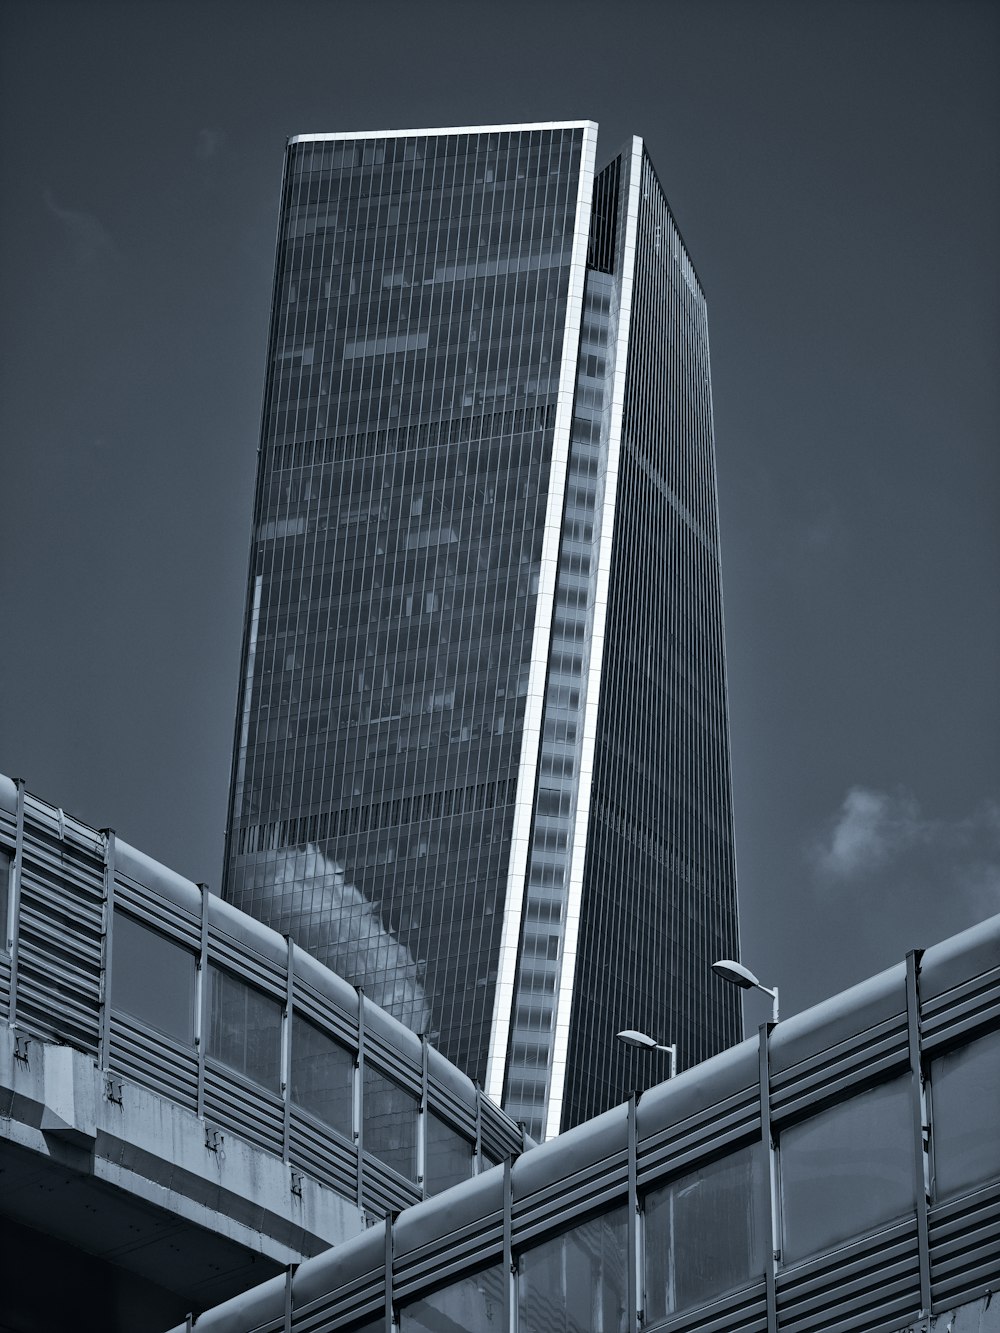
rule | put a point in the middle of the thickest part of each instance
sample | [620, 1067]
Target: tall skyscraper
[482, 760]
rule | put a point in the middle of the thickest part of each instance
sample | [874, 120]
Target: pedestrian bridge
[188, 1103]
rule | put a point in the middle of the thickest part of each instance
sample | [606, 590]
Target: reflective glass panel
[472, 1305]
[390, 1115]
[576, 1283]
[244, 1028]
[152, 978]
[965, 1104]
[322, 1076]
[705, 1232]
[847, 1170]
[450, 1156]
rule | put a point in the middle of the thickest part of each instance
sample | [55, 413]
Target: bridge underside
[117, 1202]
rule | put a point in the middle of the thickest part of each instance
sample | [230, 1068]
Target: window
[322, 1076]
[472, 1305]
[389, 1114]
[450, 1156]
[847, 1170]
[577, 1282]
[152, 978]
[244, 1028]
[965, 1112]
[705, 1232]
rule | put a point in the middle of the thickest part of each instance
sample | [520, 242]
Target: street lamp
[645, 1043]
[741, 976]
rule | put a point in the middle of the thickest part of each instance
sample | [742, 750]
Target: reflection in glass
[244, 1028]
[322, 1076]
[450, 1156]
[389, 1115]
[965, 1105]
[473, 1305]
[152, 978]
[577, 1282]
[847, 1170]
[705, 1232]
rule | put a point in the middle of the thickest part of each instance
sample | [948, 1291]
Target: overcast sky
[834, 169]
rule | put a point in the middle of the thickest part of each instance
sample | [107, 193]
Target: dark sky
[834, 169]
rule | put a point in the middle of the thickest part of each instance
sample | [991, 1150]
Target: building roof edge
[459, 129]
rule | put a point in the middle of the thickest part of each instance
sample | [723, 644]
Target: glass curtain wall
[659, 892]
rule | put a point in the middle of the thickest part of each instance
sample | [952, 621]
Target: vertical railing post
[286, 1322]
[200, 987]
[388, 1272]
[107, 947]
[921, 1158]
[507, 1265]
[422, 1120]
[13, 925]
[773, 1222]
[479, 1129]
[286, 1050]
[359, 1109]
[636, 1299]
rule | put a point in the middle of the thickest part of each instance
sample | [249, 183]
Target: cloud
[872, 826]
[209, 144]
[310, 899]
[90, 239]
[887, 832]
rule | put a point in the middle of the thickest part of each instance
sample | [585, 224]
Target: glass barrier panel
[471, 1305]
[847, 1170]
[576, 1282]
[965, 1116]
[244, 1028]
[389, 1114]
[705, 1232]
[6, 871]
[152, 978]
[322, 1076]
[450, 1156]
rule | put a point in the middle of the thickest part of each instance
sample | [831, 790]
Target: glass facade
[658, 902]
[452, 373]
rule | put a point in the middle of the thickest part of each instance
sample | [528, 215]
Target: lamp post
[741, 976]
[645, 1043]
